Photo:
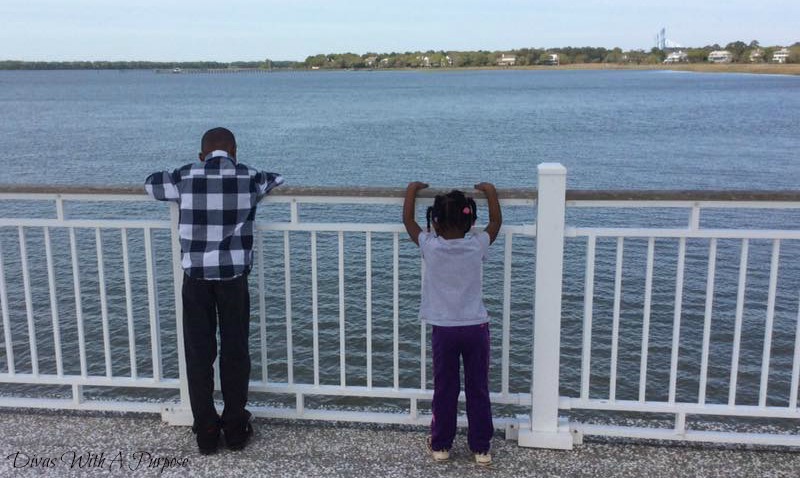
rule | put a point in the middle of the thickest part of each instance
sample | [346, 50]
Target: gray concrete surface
[283, 448]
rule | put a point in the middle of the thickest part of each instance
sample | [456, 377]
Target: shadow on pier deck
[310, 449]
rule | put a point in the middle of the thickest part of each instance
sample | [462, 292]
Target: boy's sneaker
[238, 437]
[207, 438]
[483, 459]
[438, 455]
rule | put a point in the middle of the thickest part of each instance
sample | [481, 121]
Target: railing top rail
[682, 195]
[503, 193]
[304, 191]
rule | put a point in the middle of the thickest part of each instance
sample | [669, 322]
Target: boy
[217, 199]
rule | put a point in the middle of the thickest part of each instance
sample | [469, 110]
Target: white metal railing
[91, 302]
[266, 354]
[770, 373]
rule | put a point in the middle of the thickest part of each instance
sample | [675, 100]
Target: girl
[452, 304]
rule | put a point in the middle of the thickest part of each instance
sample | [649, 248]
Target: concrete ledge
[562, 439]
[290, 448]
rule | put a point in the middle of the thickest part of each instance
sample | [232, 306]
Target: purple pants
[470, 343]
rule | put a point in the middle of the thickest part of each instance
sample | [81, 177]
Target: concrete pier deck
[112, 444]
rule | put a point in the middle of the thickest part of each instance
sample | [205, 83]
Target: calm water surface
[612, 129]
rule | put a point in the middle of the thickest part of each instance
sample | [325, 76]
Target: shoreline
[792, 69]
[764, 68]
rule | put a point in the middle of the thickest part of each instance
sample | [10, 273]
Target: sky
[248, 30]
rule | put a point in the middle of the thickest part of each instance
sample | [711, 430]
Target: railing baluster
[506, 314]
[76, 280]
[676, 323]
[588, 301]
[368, 274]
[152, 300]
[423, 356]
[423, 344]
[612, 392]
[51, 283]
[737, 334]
[773, 285]
[126, 270]
[6, 319]
[648, 299]
[26, 281]
[101, 283]
[262, 304]
[342, 362]
[178, 277]
[712, 267]
[396, 308]
[287, 274]
[795, 363]
[315, 305]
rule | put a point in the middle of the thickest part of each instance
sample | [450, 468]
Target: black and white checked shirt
[217, 200]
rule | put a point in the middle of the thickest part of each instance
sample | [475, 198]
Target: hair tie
[466, 210]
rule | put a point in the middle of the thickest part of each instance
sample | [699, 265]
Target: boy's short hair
[218, 138]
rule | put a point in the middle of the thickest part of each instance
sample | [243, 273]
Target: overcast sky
[227, 30]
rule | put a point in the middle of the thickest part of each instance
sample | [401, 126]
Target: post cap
[551, 169]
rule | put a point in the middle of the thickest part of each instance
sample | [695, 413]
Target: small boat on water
[177, 70]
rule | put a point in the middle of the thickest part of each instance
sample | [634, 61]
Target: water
[612, 130]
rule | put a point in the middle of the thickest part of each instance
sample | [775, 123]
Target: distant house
[757, 55]
[551, 59]
[370, 61]
[780, 56]
[720, 56]
[677, 57]
[507, 60]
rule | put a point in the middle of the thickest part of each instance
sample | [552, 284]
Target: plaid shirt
[217, 200]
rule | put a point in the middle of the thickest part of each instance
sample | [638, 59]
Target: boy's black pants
[203, 302]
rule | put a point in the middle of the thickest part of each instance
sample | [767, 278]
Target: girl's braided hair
[453, 210]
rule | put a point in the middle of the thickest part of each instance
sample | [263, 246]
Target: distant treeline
[740, 52]
[538, 56]
[138, 65]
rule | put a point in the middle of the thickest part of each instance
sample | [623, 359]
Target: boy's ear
[200, 156]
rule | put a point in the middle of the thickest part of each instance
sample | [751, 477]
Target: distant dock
[212, 71]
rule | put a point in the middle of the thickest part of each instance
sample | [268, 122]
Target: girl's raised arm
[495, 215]
[409, 209]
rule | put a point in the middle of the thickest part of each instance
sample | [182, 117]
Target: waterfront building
[507, 60]
[757, 55]
[780, 56]
[551, 59]
[720, 56]
[677, 57]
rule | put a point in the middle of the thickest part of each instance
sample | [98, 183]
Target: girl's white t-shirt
[452, 281]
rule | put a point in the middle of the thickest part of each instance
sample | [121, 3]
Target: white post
[545, 429]
[181, 412]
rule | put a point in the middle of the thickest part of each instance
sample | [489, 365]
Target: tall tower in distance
[661, 39]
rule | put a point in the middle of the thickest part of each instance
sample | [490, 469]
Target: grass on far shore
[760, 68]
